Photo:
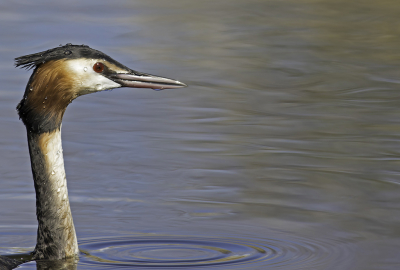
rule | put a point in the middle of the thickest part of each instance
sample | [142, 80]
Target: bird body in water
[60, 75]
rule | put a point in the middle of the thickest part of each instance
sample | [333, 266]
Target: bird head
[62, 74]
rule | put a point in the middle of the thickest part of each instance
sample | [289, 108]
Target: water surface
[283, 152]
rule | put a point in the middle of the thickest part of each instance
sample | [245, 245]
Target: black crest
[68, 51]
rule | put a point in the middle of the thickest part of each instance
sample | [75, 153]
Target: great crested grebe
[60, 75]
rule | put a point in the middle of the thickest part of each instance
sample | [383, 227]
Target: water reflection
[67, 264]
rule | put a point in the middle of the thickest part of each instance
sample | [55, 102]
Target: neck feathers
[47, 95]
[56, 238]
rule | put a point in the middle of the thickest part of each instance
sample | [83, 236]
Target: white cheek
[86, 79]
[97, 82]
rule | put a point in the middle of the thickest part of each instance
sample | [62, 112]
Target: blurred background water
[284, 149]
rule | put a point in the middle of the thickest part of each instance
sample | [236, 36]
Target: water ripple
[196, 252]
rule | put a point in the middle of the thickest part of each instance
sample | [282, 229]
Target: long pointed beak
[136, 79]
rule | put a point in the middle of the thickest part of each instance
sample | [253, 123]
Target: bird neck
[46, 97]
[56, 237]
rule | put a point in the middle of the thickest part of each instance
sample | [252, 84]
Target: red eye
[98, 67]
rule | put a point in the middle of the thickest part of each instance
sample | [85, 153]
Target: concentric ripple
[159, 251]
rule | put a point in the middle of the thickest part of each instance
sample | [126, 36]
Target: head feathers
[68, 51]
